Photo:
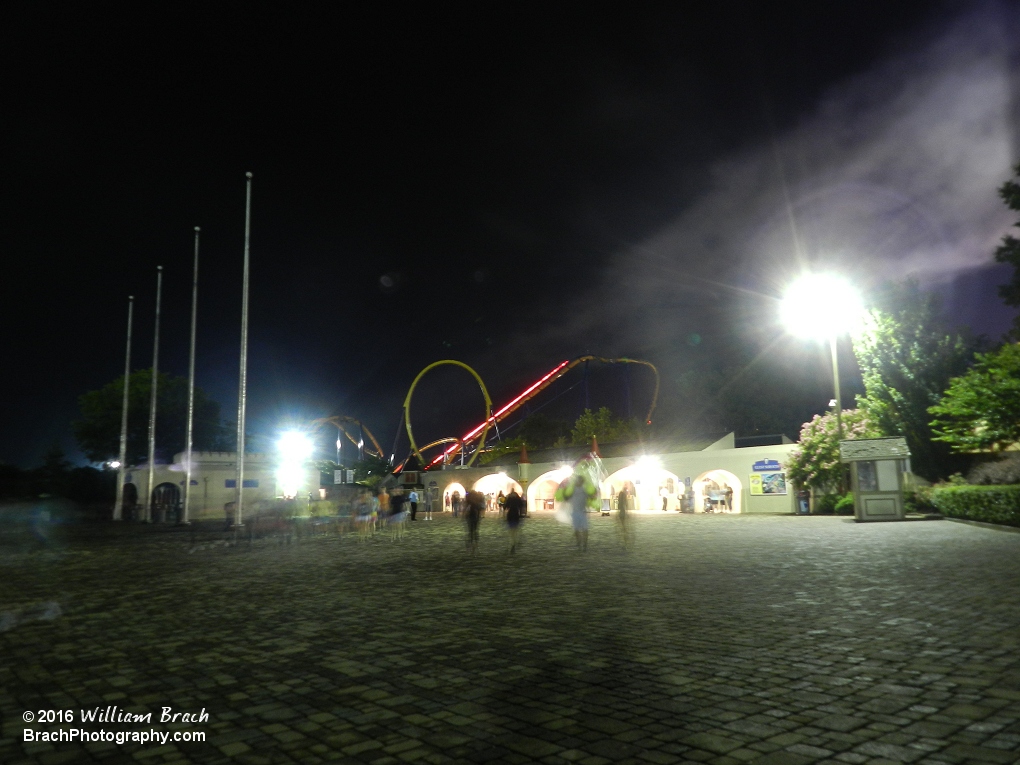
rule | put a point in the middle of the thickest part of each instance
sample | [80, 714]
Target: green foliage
[816, 461]
[845, 504]
[603, 426]
[539, 431]
[992, 504]
[1009, 251]
[907, 360]
[506, 446]
[917, 499]
[98, 430]
[370, 470]
[981, 409]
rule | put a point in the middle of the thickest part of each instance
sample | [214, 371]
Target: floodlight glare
[294, 446]
[821, 306]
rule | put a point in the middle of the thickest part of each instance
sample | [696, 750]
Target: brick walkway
[714, 639]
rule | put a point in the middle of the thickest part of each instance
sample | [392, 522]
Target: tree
[981, 409]
[98, 430]
[369, 470]
[816, 460]
[907, 360]
[1009, 251]
[537, 431]
[603, 426]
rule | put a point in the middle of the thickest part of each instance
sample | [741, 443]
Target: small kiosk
[877, 466]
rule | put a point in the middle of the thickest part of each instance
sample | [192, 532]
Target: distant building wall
[716, 459]
[213, 481]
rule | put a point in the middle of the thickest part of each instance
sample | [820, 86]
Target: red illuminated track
[537, 387]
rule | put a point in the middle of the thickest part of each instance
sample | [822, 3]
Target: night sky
[508, 185]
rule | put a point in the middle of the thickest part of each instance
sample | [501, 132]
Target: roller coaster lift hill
[460, 445]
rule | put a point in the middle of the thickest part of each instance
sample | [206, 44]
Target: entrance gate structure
[877, 466]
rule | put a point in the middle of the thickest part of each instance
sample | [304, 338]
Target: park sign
[766, 466]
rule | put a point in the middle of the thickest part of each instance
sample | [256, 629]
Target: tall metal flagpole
[242, 385]
[152, 400]
[191, 387]
[118, 506]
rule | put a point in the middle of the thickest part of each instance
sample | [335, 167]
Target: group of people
[373, 512]
[391, 509]
[474, 505]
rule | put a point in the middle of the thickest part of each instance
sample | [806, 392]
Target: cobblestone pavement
[714, 639]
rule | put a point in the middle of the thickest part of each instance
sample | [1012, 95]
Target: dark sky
[509, 185]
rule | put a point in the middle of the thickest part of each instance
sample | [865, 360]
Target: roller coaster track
[537, 387]
[339, 421]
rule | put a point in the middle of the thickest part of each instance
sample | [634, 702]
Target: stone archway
[448, 492]
[649, 484]
[542, 490]
[166, 499]
[710, 493]
[491, 486]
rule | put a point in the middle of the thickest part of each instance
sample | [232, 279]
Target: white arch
[711, 485]
[448, 495]
[494, 483]
[650, 484]
[543, 488]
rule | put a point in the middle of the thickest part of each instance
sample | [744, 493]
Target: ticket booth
[877, 468]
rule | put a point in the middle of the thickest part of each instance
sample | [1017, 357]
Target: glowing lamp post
[294, 449]
[823, 306]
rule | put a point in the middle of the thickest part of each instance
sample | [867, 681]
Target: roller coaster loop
[410, 393]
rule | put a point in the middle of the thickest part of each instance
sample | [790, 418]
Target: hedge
[992, 504]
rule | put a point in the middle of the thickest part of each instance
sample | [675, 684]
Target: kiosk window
[867, 479]
[887, 479]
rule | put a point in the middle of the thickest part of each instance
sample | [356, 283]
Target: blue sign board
[766, 466]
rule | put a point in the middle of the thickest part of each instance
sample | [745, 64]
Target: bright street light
[294, 448]
[823, 306]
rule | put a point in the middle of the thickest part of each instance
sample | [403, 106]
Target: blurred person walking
[364, 520]
[474, 507]
[384, 509]
[428, 505]
[398, 516]
[623, 508]
[513, 507]
[412, 499]
[573, 493]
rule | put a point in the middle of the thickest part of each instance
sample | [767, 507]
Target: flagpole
[242, 385]
[152, 400]
[191, 387]
[118, 505]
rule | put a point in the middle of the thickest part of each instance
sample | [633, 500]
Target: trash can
[803, 502]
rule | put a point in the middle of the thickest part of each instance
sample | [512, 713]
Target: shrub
[824, 504]
[845, 504]
[917, 499]
[992, 504]
[1005, 470]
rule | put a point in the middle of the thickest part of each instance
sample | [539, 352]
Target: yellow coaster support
[410, 393]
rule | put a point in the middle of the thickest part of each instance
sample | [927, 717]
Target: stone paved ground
[714, 639]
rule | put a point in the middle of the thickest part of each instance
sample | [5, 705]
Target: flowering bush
[816, 461]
